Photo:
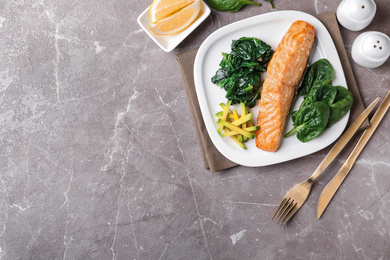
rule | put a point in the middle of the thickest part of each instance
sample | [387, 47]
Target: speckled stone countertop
[99, 157]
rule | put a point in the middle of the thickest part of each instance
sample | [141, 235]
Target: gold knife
[329, 191]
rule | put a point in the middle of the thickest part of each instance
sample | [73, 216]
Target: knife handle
[376, 119]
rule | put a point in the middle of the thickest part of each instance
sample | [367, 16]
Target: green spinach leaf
[340, 106]
[232, 5]
[319, 73]
[323, 104]
[326, 93]
[310, 121]
[229, 5]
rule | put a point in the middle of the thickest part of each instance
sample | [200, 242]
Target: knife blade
[329, 191]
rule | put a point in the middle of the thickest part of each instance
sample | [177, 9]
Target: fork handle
[344, 139]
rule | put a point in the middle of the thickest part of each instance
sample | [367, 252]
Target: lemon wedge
[160, 9]
[178, 21]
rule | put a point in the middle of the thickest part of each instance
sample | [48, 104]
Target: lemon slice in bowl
[178, 21]
[160, 9]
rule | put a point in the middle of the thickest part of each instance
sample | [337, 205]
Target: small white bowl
[371, 49]
[169, 42]
[356, 15]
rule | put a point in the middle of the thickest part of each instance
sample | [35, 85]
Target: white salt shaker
[371, 49]
[356, 15]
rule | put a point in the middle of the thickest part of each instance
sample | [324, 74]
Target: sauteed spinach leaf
[251, 49]
[239, 72]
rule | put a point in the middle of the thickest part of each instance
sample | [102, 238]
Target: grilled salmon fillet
[284, 72]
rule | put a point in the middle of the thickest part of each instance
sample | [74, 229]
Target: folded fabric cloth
[212, 158]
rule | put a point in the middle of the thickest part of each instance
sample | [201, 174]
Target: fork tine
[283, 209]
[284, 201]
[290, 214]
[287, 210]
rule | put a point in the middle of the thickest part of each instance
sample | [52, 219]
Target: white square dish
[270, 28]
[169, 42]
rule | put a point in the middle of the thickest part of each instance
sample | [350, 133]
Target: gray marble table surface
[99, 157]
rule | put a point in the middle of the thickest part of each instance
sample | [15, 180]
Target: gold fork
[295, 197]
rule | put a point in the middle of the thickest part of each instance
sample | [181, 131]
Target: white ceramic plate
[270, 28]
[169, 42]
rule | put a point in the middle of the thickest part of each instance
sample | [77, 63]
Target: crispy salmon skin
[283, 75]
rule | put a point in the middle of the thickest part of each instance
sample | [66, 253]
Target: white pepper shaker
[371, 49]
[356, 15]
